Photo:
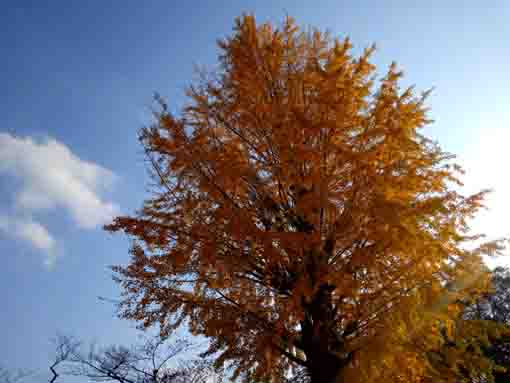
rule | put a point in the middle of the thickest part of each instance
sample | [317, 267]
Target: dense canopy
[299, 217]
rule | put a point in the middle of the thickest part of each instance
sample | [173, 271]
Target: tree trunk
[321, 345]
[325, 368]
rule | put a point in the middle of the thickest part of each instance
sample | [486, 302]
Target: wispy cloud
[32, 232]
[52, 177]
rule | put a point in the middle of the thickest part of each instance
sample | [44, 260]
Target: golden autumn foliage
[300, 217]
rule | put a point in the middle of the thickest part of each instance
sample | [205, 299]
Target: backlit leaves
[301, 216]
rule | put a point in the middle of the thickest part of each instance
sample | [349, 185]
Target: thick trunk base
[326, 369]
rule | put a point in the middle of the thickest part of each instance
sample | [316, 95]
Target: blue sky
[77, 80]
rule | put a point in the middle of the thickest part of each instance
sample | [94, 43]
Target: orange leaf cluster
[300, 217]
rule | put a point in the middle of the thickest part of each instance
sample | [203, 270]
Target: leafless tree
[66, 347]
[154, 361]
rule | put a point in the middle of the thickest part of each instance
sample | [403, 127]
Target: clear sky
[77, 78]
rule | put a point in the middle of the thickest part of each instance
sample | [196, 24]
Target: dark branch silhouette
[153, 361]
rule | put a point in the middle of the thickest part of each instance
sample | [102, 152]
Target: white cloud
[33, 232]
[53, 177]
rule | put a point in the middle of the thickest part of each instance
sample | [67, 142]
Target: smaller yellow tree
[300, 217]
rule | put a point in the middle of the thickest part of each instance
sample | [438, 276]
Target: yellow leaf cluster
[300, 217]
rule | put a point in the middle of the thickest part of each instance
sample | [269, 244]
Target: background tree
[154, 361]
[479, 348]
[495, 307]
[299, 217]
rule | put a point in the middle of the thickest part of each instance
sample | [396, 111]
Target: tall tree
[299, 217]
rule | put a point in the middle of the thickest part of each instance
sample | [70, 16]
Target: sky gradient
[77, 83]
